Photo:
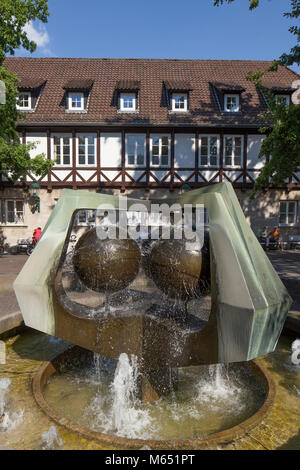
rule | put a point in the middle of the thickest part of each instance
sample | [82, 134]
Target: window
[75, 101]
[24, 101]
[282, 99]
[128, 101]
[86, 217]
[62, 149]
[209, 150]
[287, 212]
[206, 217]
[12, 211]
[231, 103]
[179, 102]
[160, 150]
[135, 149]
[233, 148]
[86, 149]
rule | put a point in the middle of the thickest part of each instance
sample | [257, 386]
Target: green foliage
[14, 15]
[281, 123]
[281, 146]
[253, 3]
[15, 161]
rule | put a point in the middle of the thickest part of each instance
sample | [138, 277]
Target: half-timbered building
[145, 127]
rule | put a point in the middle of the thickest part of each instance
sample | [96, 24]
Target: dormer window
[231, 103]
[76, 97]
[128, 102]
[179, 102]
[75, 101]
[283, 99]
[177, 95]
[24, 101]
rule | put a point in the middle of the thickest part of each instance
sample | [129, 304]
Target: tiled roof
[177, 85]
[128, 85]
[27, 83]
[228, 87]
[151, 75]
[78, 84]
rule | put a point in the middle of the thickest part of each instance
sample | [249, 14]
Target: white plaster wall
[184, 150]
[40, 139]
[110, 149]
[253, 148]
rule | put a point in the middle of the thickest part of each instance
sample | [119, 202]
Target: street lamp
[36, 201]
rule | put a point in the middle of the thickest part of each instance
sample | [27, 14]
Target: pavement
[10, 315]
[286, 263]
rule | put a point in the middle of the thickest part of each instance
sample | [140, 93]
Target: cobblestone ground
[10, 266]
[287, 265]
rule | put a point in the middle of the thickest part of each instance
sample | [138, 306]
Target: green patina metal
[250, 303]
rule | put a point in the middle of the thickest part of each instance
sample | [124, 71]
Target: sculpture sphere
[175, 269]
[106, 265]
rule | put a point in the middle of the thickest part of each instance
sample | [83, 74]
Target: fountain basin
[48, 370]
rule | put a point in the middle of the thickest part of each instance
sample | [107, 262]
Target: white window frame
[173, 102]
[86, 136]
[70, 107]
[287, 224]
[286, 98]
[209, 136]
[87, 223]
[124, 95]
[233, 151]
[25, 108]
[135, 164]
[61, 136]
[159, 164]
[229, 96]
[3, 203]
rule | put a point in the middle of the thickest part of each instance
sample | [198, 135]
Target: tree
[15, 161]
[281, 147]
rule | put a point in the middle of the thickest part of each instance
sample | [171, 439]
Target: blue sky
[190, 29]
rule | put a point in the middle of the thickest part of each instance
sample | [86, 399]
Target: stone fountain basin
[41, 378]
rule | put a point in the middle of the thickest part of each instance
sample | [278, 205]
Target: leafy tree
[281, 147]
[15, 161]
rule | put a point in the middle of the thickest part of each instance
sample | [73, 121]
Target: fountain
[163, 327]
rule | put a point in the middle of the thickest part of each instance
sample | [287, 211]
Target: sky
[171, 29]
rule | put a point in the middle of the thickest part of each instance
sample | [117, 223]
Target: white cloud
[38, 35]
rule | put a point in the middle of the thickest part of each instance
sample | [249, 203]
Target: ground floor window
[135, 149]
[86, 217]
[62, 149]
[233, 148]
[209, 150]
[288, 212]
[12, 211]
[86, 149]
[160, 150]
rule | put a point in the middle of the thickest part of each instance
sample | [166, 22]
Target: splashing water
[121, 412]
[4, 389]
[9, 420]
[217, 388]
[50, 440]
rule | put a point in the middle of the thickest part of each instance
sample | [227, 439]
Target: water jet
[141, 306]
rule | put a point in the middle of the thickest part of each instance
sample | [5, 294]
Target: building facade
[145, 128]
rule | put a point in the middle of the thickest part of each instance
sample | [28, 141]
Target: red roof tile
[151, 74]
